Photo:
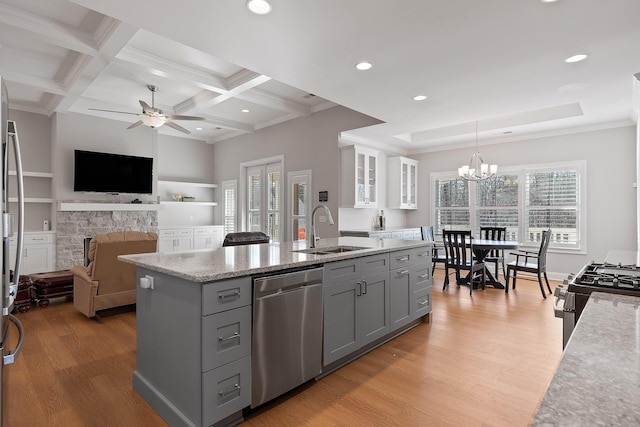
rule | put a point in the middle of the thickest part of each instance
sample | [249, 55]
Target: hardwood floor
[484, 360]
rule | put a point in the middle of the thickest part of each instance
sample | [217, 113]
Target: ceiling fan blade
[135, 125]
[175, 126]
[113, 111]
[146, 108]
[178, 117]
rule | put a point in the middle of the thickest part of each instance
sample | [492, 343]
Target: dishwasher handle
[288, 282]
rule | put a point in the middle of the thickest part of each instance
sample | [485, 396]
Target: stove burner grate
[610, 276]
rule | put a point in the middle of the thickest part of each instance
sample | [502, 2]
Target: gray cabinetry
[356, 295]
[193, 357]
[409, 285]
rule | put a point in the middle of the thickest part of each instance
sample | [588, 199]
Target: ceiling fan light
[259, 7]
[153, 121]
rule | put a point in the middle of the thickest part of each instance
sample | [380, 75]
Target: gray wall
[611, 198]
[306, 143]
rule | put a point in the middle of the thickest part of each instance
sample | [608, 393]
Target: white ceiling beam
[48, 30]
[114, 35]
[229, 124]
[137, 60]
[35, 82]
[257, 96]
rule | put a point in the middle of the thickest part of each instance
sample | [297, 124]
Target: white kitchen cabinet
[38, 252]
[208, 237]
[402, 183]
[175, 239]
[359, 178]
[179, 239]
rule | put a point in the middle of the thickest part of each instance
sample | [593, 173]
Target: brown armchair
[107, 282]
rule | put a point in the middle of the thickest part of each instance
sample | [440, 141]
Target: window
[526, 200]
[300, 195]
[229, 191]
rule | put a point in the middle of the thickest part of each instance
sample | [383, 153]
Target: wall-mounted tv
[112, 173]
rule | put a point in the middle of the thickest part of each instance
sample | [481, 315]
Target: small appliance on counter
[618, 274]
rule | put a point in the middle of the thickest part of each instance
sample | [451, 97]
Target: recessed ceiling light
[198, 128]
[548, 1]
[244, 110]
[420, 97]
[259, 7]
[364, 65]
[576, 58]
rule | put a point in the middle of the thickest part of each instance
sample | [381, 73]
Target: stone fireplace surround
[73, 226]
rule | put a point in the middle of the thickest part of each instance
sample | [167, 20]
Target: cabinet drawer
[423, 255]
[407, 234]
[176, 232]
[205, 231]
[226, 337]
[422, 302]
[32, 239]
[226, 295]
[423, 276]
[226, 390]
[342, 270]
[402, 258]
[375, 264]
[417, 234]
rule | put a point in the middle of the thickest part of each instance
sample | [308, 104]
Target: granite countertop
[598, 379]
[236, 261]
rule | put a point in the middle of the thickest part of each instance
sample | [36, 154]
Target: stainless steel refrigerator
[10, 276]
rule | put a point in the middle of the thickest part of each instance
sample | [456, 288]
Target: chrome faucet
[314, 233]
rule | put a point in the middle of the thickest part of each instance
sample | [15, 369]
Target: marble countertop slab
[598, 379]
[236, 261]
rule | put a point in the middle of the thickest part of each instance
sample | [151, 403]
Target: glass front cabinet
[359, 179]
[402, 183]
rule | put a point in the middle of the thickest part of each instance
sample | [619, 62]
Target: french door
[264, 199]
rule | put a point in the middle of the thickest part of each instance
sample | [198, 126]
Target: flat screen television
[112, 173]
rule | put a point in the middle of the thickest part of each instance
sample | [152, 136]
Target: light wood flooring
[484, 360]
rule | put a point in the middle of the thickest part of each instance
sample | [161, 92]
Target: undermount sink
[330, 250]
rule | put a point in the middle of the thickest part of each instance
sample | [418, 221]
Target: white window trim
[580, 165]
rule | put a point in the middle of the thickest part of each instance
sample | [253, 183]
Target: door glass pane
[405, 183]
[360, 178]
[412, 183]
[254, 202]
[372, 179]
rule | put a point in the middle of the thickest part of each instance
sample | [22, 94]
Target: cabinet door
[37, 258]
[340, 332]
[166, 244]
[183, 244]
[373, 308]
[400, 297]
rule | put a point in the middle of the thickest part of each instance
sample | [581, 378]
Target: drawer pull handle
[424, 302]
[424, 276]
[236, 294]
[229, 338]
[403, 272]
[235, 388]
[421, 254]
[404, 258]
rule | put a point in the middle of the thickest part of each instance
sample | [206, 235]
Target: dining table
[482, 247]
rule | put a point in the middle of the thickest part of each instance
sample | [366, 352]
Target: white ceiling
[499, 63]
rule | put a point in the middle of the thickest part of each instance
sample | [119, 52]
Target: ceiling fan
[154, 117]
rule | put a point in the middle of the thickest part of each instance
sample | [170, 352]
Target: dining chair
[438, 251]
[459, 257]
[532, 262]
[495, 256]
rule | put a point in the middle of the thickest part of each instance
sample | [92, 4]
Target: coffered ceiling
[498, 63]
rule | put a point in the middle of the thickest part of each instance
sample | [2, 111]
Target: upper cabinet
[402, 183]
[359, 179]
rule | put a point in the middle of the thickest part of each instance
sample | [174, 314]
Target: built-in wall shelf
[81, 206]
[172, 202]
[31, 200]
[189, 184]
[33, 174]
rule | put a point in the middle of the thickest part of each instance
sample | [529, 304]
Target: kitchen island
[598, 379]
[195, 316]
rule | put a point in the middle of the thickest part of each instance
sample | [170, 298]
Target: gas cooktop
[610, 276]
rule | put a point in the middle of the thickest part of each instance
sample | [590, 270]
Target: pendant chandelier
[477, 170]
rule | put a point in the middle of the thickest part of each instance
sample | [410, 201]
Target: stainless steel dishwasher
[287, 333]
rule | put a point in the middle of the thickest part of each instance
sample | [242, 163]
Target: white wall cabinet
[38, 252]
[359, 177]
[402, 183]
